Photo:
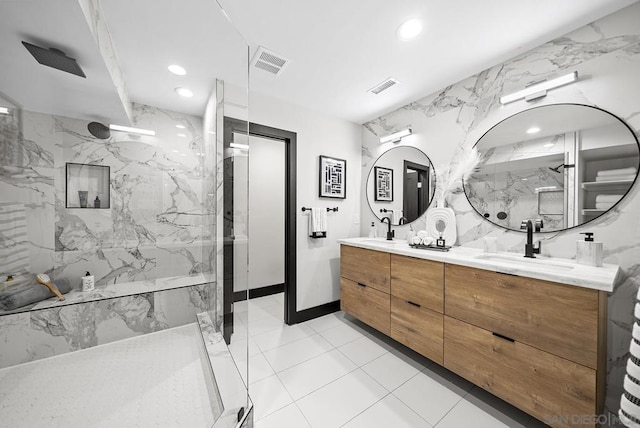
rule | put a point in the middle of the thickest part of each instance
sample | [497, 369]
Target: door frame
[289, 138]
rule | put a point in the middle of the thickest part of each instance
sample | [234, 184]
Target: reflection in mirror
[566, 164]
[400, 185]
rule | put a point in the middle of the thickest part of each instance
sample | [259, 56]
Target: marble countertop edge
[597, 278]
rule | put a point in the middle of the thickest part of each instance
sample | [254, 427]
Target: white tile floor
[335, 371]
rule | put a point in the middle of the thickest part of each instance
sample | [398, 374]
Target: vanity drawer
[369, 305]
[367, 267]
[556, 318]
[418, 281]
[546, 386]
[418, 328]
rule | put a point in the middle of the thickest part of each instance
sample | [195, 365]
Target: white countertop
[564, 271]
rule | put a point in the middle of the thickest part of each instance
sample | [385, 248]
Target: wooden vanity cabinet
[364, 286]
[417, 302]
[538, 345]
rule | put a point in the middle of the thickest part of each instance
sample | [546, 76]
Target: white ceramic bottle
[88, 282]
[373, 231]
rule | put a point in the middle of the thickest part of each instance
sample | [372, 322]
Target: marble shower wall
[160, 216]
[447, 124]
[30, 336]
[161, 223]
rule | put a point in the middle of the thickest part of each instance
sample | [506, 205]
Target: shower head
[557, 169]
[99, 130]
[54, 58]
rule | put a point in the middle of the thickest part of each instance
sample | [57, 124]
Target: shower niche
[87, 186]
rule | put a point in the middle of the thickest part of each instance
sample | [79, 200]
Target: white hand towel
[396, 216]
[422, 234]
[416, 240]
[621, 177]
[620, 171]
[317, 221]
[608, 198]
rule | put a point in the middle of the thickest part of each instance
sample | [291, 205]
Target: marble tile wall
[30, 336]
[447, 124]
[161, 223]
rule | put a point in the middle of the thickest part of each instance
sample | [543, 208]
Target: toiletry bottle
[373, 231]
[589, 252]
[88, 282]
[96, 203]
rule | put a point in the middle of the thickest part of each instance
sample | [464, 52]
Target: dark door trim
[290, 260]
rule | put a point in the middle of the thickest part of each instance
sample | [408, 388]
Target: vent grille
[269, 61]
[383, 86]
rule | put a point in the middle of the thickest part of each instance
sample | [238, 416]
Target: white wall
[318, 260]
[266, 211]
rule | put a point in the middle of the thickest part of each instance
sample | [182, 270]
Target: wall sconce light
[396, 136]
[539, 90]
[132, 130]
[4, 110]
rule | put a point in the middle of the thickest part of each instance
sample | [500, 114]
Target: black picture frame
[93, 180]
[384, 184]
[332, 178]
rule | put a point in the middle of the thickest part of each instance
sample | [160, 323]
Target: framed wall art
[384, 184]
[333, 177]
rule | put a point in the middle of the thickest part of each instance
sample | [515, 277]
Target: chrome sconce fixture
[396, 136]
[539, 89]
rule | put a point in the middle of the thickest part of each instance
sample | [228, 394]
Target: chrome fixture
[539, 89]
[396, 136]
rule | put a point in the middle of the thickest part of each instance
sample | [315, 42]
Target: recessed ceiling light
[181, 135]
[549, 144]
[177, 70]
[4, 110]
[175, 151]
[533, 130]
[180, 126]
[184, 92]
[410, 29]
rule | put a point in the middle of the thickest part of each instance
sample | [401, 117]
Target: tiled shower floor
[336, 372]
[153, 380]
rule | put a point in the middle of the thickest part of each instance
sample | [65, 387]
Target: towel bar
[335, 210]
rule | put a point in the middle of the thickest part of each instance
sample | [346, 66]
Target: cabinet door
[419, 281]
[560, 319]
[556, 391]
[366, 267]
[418, 328]
[369, 305]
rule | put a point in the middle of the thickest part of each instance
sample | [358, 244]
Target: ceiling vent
[269, 61]
[383, 86]
[54, 58]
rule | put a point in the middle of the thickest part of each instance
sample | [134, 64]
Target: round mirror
[401, 184]
[566, 164]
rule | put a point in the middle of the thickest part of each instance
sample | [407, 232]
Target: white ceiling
[338, 50]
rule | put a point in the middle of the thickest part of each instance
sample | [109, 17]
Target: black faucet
[531, 226]
[390, 233]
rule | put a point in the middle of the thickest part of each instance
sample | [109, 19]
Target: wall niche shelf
[87, 186]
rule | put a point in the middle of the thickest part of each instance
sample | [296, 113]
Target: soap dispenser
[88, 282]
[373, 231]
[589, 252]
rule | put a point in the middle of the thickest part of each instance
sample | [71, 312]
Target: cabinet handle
[361, 284]
[505, 273]
[414, 304]
[503, 337]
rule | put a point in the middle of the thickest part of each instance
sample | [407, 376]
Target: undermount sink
[520, 261]
[382, 241]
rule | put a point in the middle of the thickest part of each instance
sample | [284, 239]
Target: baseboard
[254, 293]
[317, 311]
